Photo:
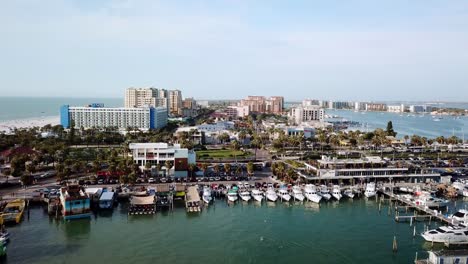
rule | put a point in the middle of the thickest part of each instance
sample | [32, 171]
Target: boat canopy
[107, 196]
[142, 200]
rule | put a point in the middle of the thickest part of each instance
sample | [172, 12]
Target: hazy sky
[353, 50]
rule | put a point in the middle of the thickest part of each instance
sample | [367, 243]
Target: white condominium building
[159, 153]
[302, 114]
[98, 116]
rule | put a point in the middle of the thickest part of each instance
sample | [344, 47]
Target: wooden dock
[426, 212]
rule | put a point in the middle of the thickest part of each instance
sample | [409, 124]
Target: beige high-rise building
[140, 97]
[175, 101]
[260, 104]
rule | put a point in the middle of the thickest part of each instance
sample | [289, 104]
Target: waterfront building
[310, 102]
[340, 105]
[376, 107]
[75, 202]
[302, 114]
[363, 168]
[141, 97]
[420, 108]
[308, 132]
[359, 106]
[396, 108]
[159, 153]
[98, 116]
[260, 104]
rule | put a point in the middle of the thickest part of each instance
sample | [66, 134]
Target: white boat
[297, 193]
[460, 216]
[245, 196]
[336, 192]
[257, 195]
[107, 199]
[232, 195]
[324, 192]
[370, 190]
[284, 195]
[207, 197]
[349, 193]
[310, 192]
[430, 201]
[447, 234]
[271, 195]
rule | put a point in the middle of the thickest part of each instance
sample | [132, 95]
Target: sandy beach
[8, 126]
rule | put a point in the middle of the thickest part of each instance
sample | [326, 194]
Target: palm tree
[250, 168]
[168, 165]
[204, 167]
[227, 168]
[235, 145]
[191, 168]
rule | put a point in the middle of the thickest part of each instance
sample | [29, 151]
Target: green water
[345, 232]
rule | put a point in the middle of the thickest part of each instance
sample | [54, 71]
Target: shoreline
[8, 126]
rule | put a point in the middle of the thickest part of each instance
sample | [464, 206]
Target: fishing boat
[232, 195]
[310, 192]
[245, 196]
[430, 201]
[75, 202]
[348, 193]
[271, 195]
[257, 195]
[370, 190]
[13, 212]
[336, 192]
[107, 200]
[447, 234]
[297, 193]
[324, 192]
[206, 196]
[284, 195]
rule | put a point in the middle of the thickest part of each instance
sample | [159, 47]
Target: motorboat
[431, 202]
[245, 196]
[207, 196]
[257, 195]
[107, 200]
[271, 195]
[348, 193]
[310, 192]
[284, 195]
[13, 212]
[232, 195]
[336, 192]
[460, 216]
[324, 192]
[297, 193]
[4, 237]
[370, 190]
[447, 234]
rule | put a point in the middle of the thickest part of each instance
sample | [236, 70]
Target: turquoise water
[345, 232]
[12, 108]
[422, 125]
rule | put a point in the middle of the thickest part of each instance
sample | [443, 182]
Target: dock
[424, 212]
[192, 200]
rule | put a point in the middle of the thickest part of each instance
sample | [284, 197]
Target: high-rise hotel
[140, 97]
[122, 118]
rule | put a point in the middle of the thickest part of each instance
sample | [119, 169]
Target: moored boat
[324, 192]
[207, 195]
[13, 212]
[370, 190]
[336, 192]
[297, 193]
[107, 200]
[271, 195]
[348, 193]
[284, 195]
[75, 202]
[257, 195]
[245, 196]
[310, 192]
[232, 195]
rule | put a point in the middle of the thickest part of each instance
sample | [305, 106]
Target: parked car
[151, 180]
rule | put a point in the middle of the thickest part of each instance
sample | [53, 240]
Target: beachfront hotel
[140, 97]
[98, 116]
[260, 104]
[307, 113]
[159, 153]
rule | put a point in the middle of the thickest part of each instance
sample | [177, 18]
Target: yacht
[370, 190]
[271, 195]
[232, 195]
[310, 192]
[348, 193]
[336, 192]
[257, 195]
[207, 197]
[284, 195]
[447, 234]
[297, 193]
[324, 192]
[460, 216]
[245, 196]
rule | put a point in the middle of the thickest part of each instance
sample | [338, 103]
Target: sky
[334, 49]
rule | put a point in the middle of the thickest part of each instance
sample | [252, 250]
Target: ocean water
[345, 232]
[406, 124]
[12, 108]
